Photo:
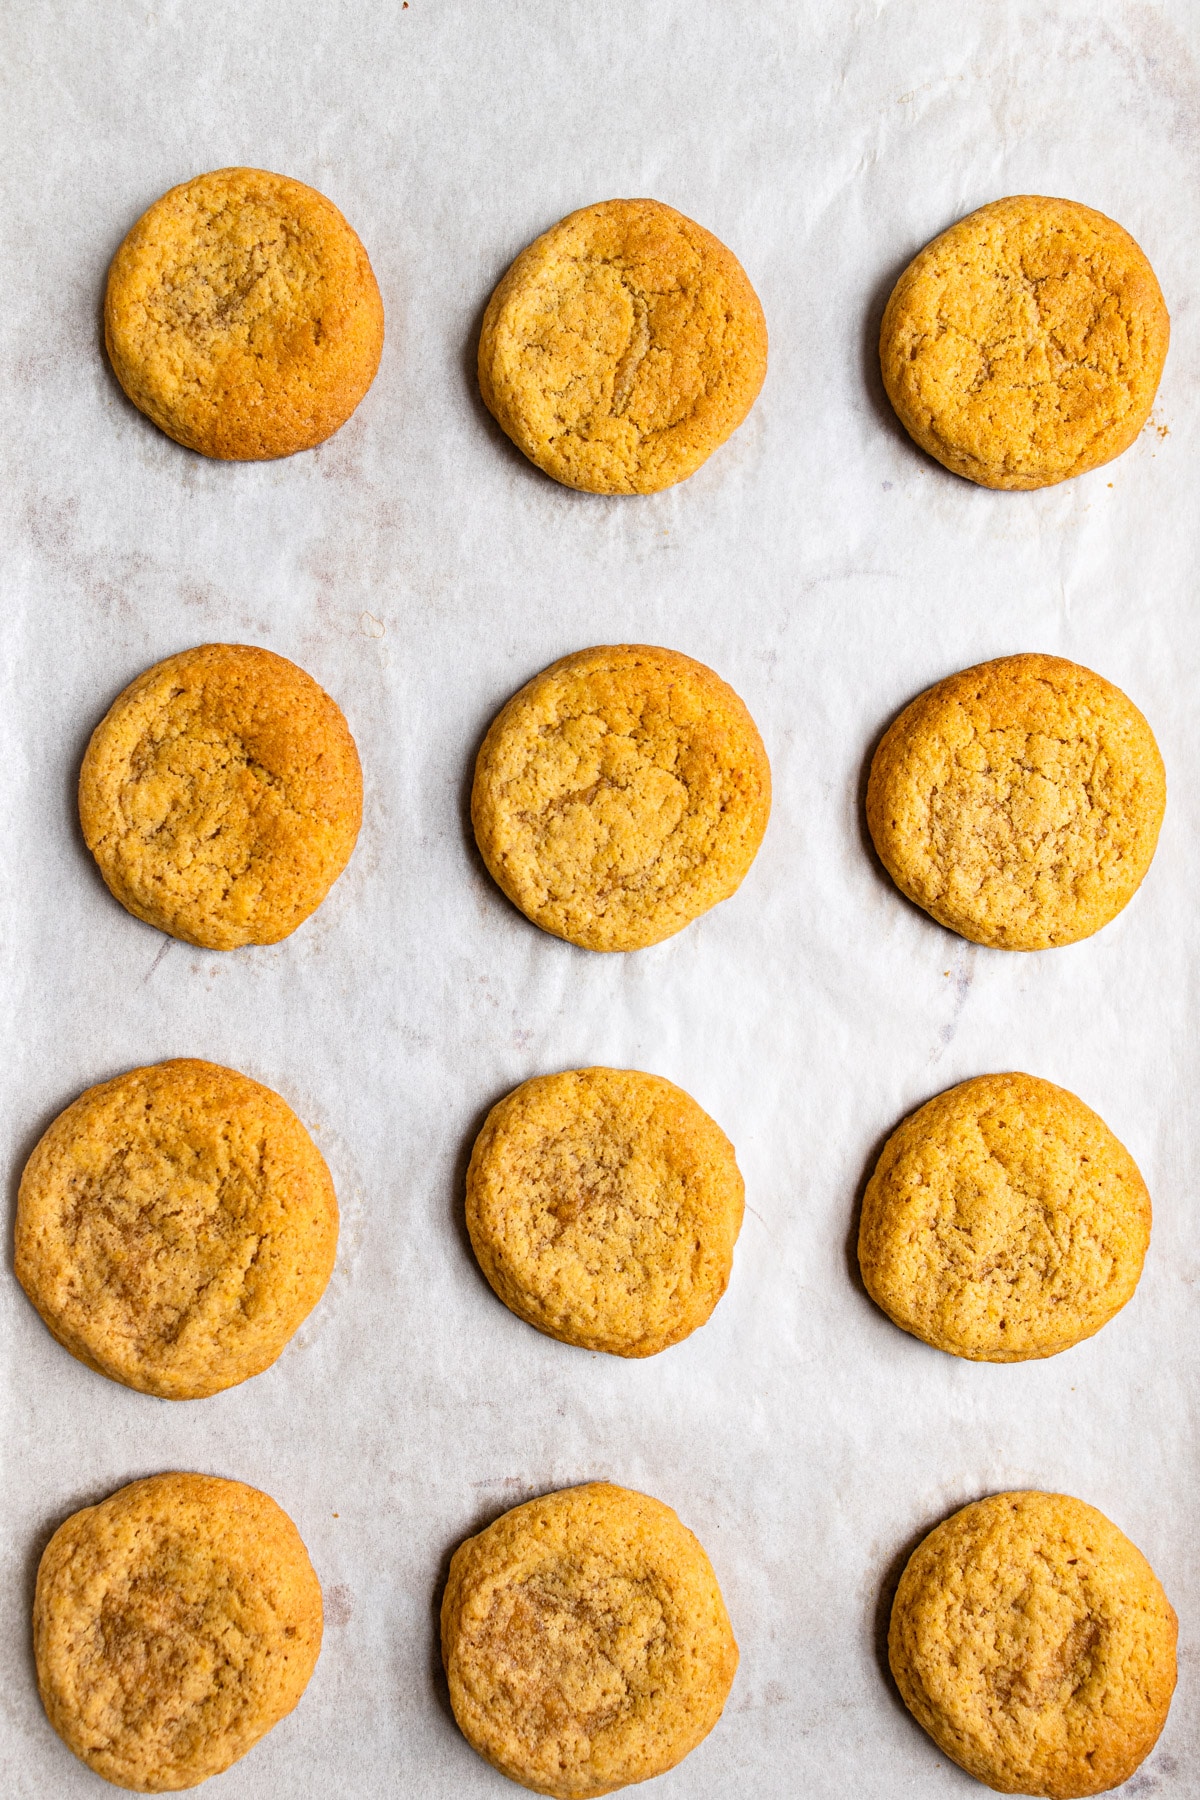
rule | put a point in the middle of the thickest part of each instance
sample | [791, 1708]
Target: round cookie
[174, 1228]
[241, 315]
[1034, 1644]
[1018, 802]
[1025, 344]
[173, 1625]
[620, 794]
[622, 348]
[603, 1206]
[585, 1641]
[221, 795]
[1003, 1221]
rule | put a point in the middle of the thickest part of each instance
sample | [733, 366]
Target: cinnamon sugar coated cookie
[173, 1626]
[242, 316]
[174, 1228]
[585, 1641]
[622, 347]
[1018, 802]
[1035, 1645]
[221, 795]
[1025, 344]
[620, 794]
[604, 1205]
[1003, 1221]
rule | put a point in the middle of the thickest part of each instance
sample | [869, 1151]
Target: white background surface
[421, 571]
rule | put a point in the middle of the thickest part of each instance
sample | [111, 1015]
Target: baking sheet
[421, 570]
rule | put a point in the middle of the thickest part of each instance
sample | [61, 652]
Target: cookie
[622, 348]
[174, 1227]
[1025, 344]
[585, 1641]
[1018, 802]
[1035, 1645]
[619, 795]
[1003, 1221]
[173, 1625]
[221, 795]
[241, 315]
[603, 1206]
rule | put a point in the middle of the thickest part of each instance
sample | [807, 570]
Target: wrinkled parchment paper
[421, 570]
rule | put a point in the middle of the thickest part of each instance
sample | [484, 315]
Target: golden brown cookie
[622, 347]
[1018, 802]
[173, 1626]
[221, 795]
[1003, 1221]
[175, 1226]
[242, 316]
[603, 1205]
[619, 795]
[585, 1641]
[1035, 1645]
[1025, 344]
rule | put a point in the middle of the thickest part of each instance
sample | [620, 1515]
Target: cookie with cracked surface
[585, 1641]
[1025, 344]
[175, 1226]
[1035, 1645]
[221, 796]
[1019, 802]
[622, 348]
[603, 1206]
[1003, 1221]
[620, 794]
[173, 1625]
[242, 316]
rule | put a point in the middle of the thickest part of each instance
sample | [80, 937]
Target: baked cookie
[619, 795]
[603, 1205]
[221, 795]
[173, 1626]
[1018, 802]
[241, 315]
[622, 347]
[1003, 1221]
[174, 1227]
[1025, 344]
[1035, 1645]
[585, 1640]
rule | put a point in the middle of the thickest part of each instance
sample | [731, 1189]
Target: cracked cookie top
[585, 1641]
[620, 794]
[604, 1205]
[221, 795]
[1003, 1221]
[622, 347]
[173, 1625]
[1025, 344]
[1018, 802]
[1035, 1645]
[174, 1228]
[242, 316]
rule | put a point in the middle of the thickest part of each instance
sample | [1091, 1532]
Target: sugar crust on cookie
[1025, 344]
[620, 794]
[173, 1625]
[1003, 1221]
[1019, 802]
[242, 316]
[1035, 1645]
[585, 1641]
[175, 1226]
[603, 1206]
[221, 796]
[622, 348]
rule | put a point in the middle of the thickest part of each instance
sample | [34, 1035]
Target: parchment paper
[421, 570]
